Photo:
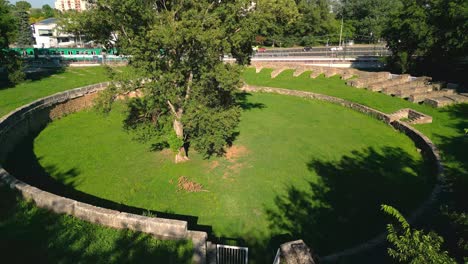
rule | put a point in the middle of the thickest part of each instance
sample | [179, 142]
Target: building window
[45, 32]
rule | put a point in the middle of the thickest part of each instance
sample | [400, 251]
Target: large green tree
[8, 29]
[316, 24]
[429, 36]
[25, 35]
[176, 50]
[368, 18]
[23, 5]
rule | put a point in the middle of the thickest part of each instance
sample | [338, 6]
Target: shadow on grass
[32, 235]
[243, 102]
[32, 74]
[343, 205]
[455, 158]
[24, 165]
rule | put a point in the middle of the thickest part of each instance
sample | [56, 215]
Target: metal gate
[231, 255]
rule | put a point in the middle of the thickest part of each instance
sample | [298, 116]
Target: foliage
[23, 6]
[368, 17]
[8, 30]
[38, 14]
[7, 25]
[411, 245]
[428, 37]
[25, 34]
[315, 24]
[176, 48]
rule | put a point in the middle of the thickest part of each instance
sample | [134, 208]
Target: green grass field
[32, 235]
[287, 146]
[303, 169]
[11, 98]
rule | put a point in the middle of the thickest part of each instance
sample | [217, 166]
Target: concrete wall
[32, 118]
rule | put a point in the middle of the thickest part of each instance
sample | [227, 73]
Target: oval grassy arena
[298, 167]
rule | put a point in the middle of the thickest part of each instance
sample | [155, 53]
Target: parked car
[336, 48]
[261, 49]
[307, 48]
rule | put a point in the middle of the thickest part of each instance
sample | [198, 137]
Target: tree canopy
[429, 36]
[176, 48]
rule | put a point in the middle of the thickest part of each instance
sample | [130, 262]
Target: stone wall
[428, 151]
[32, 118]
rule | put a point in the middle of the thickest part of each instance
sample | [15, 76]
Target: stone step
[406, 93]
[439, 101]
[420, 97]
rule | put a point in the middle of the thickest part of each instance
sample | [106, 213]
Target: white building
[65, 5]
[47, 35]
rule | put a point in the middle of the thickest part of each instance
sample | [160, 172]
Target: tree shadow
[25, 165]
[52, 238]
[455, 157]
[33, 73]
[243, 101]
[342, 207]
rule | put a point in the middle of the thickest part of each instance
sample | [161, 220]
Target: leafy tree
[23, 6]
[25, 36]
[314, 23]
[7, 24]
[9, 59]
[274, 19]
[176, 48]
[429, 37]
[368, 17]
[411, 245]
[48, 11]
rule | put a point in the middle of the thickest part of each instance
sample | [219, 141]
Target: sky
[37, 3]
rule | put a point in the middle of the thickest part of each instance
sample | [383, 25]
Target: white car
[336, 48]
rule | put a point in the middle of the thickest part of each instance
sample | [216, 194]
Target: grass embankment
[32, 235]
[44, 85]
[307, 168]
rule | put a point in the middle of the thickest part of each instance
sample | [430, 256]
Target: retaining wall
[32, 118]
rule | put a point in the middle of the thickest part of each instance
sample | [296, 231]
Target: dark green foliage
[411, 245]
[368, 18]
[429, 37]
[25, 36]
[47, 11]
[7, 25]
[176, 50]
[9, 61]
[23, 6]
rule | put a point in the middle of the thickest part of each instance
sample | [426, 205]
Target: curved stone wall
[33, 117]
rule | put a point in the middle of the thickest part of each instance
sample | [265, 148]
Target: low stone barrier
[428, 150]
[32, 118]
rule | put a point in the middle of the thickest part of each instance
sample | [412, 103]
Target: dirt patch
[184, 184]
[235, 152]
[213, 165]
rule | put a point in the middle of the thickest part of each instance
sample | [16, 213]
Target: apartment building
[65, 5]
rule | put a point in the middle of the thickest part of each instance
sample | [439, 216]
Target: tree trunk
[179, 130]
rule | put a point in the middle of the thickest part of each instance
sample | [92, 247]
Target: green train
[63, 52]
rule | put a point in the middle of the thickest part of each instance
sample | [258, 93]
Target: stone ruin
[414, 89]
